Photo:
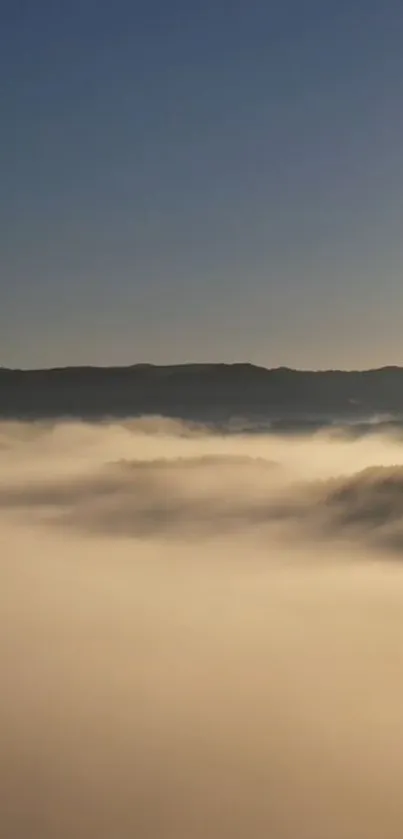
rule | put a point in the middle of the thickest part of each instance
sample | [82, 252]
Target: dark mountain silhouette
[204, 392]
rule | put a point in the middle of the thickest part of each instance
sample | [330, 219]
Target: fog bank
[201, 635]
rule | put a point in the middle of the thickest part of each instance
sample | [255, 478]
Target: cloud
[200, 633]
[206, 495]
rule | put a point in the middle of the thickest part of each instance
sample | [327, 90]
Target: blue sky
[217, 181]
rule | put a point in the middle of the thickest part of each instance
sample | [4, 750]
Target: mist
[201, 634]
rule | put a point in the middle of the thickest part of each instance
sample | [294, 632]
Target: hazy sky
[201, 181]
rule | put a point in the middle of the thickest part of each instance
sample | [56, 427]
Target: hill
[215, 392]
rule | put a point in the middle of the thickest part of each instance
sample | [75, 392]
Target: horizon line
[198, 364]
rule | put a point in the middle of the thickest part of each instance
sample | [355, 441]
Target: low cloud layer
[215, 493]
[201, 634]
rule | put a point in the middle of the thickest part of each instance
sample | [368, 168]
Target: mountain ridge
[205, 392]
[199, 366]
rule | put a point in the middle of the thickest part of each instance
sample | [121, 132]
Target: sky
[216, 181]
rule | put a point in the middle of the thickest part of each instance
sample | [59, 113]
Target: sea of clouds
[201, 634]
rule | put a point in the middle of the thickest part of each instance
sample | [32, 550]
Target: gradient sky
[210, 181]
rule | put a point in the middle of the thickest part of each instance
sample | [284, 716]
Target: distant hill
[215, 392]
